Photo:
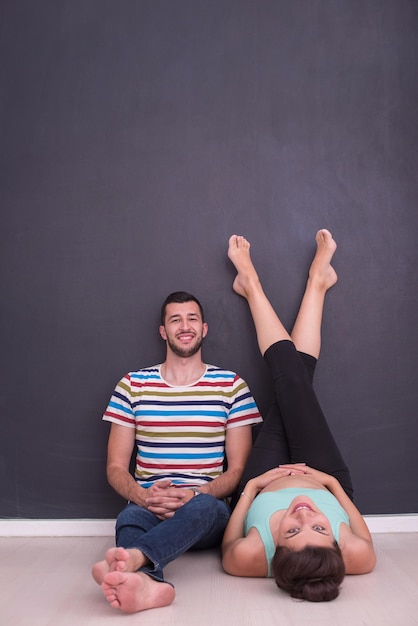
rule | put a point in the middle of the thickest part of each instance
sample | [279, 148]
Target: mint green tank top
[270, 502]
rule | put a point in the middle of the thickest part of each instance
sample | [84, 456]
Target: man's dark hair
[314, 573]
[180, 297]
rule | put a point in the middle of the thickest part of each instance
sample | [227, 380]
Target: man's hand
[163, 499]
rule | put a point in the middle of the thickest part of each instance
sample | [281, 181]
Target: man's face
[183, 328]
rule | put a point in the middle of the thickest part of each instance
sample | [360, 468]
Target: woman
[293, 522]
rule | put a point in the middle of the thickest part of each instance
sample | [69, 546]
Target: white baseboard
[105, 527]
[392, 523]
[57, 528]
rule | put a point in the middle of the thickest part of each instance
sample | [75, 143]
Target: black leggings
[295, 429]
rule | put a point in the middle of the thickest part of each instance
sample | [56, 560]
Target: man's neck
[180, 371]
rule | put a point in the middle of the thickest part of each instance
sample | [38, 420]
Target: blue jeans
[199, 524]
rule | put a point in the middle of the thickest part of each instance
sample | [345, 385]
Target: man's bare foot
[99, 571]
[133, 592]
[321, 271]
[118, 560]
[239, 254]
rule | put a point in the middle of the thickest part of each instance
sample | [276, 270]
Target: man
[186, 418]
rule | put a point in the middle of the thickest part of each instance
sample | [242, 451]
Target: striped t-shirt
[180, 431]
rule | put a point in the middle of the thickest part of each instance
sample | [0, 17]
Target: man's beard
[185, 351]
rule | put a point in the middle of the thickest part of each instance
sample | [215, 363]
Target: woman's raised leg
[298, 413]
[268, 326]
[306, 333]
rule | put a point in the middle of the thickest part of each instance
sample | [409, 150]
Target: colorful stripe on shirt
[180, 431]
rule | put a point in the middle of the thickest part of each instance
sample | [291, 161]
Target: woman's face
[304, 524]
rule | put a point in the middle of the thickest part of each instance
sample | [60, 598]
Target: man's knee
[206, 506]
[132, 515]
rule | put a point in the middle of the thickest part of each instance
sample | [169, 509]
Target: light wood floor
[46, 582]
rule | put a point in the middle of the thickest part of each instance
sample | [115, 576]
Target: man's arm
[238, 442]
[120, 447]
[119, 451]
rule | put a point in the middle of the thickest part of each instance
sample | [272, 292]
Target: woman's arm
[235, 528]
[241, 555]
[357, 545]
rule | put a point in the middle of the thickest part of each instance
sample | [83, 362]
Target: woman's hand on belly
[300, 469]
[257, 484]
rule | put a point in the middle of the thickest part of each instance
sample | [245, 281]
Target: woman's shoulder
[358, 553]
[247, 557]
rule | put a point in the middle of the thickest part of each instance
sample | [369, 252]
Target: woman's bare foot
[133, 592]
[239, 254]
[321, 272]
[118, 560]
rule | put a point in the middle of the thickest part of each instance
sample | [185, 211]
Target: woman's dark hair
[180, 297]
[313, 574]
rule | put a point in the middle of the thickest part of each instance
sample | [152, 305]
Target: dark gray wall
[136, 136]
